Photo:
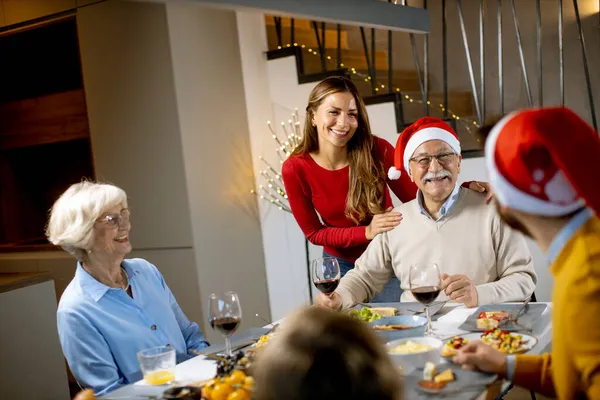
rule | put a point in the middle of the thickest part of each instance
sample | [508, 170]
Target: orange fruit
[248, 383]
[207, 391]
[236, 377]
[221, 391]
[239, 394]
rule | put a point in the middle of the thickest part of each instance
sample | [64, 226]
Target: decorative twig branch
[271, 188]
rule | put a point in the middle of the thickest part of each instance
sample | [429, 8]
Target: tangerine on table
[236, 377]
[221, 391]
[239, 394]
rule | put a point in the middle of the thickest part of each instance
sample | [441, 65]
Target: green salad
[364, 315]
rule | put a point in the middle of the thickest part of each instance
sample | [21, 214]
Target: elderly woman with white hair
[113, 307]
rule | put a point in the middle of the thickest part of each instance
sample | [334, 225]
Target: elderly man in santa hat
[481, 259]
[543, 166]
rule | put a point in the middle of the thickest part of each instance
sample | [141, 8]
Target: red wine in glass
[426, 294]
[425, 285]
[225, 326]
[225, 315]
[326, 274]
[327, 286]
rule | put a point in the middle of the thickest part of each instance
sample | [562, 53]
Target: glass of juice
[158, 365]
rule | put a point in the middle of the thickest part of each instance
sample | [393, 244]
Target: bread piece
[448, 351]
[385, 311]
[429, 371]
[487, 323]
[446, 376]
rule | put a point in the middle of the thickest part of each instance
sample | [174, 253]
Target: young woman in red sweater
[338, 171]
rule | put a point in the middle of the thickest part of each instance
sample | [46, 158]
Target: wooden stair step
[306, 37]
[405, 80]
[350, 59]
[286, 22]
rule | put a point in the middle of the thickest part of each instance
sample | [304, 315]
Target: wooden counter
[18, 280]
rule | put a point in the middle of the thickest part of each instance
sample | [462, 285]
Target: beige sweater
[470, 240]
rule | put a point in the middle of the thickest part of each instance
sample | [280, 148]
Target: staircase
[483, 59]
[376, 88]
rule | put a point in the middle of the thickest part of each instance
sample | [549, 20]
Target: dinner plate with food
[501, 340]
[391, 328]
[445, 380]
[503, 316]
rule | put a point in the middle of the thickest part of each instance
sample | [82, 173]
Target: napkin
[457, 316]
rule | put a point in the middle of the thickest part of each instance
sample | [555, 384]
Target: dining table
[446, 323]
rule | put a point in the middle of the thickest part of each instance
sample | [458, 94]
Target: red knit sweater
[312, 189]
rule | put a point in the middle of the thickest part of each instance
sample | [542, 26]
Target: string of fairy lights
[271, 188]
[467, 122]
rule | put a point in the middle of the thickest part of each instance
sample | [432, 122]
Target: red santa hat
[422, 131]
[543, 162]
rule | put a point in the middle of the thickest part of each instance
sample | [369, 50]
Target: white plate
[531, 341]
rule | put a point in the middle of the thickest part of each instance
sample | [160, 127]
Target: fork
[515, 317]
[439, 304]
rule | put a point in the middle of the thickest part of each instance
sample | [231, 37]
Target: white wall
[134, 128]
[216, 152]
[283, 242]
[32, 364]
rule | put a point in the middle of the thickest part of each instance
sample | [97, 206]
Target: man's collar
[446, 207]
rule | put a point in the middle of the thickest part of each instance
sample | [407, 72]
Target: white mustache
[433, 175]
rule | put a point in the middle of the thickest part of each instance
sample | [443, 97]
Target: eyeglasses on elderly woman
[115, 220]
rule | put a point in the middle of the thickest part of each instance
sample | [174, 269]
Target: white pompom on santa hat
[539, 162]
[423, 130]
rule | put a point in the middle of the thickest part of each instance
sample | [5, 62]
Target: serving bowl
[410, 361]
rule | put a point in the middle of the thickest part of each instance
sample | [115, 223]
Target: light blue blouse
[101, 328]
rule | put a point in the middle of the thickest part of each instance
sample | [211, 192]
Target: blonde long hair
[367, 175]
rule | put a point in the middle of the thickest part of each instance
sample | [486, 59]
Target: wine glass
[225, 315]
[425, 285]
[326, 274]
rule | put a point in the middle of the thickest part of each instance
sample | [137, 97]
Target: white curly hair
[73, 215]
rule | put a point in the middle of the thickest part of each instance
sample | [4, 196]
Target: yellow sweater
[573, 369]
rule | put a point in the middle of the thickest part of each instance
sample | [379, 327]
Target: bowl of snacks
[414, 352]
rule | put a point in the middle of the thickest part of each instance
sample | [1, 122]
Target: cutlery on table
[513, 318]
[435, 307]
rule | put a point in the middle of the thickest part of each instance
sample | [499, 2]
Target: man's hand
[479, 356]
[333, 301]
[460, 288]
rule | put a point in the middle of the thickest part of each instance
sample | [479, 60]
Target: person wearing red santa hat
[483, 261]
[542, 164]
[336, 182]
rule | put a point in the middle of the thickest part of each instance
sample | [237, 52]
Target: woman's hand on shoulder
[482, 187]
[383, 222]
